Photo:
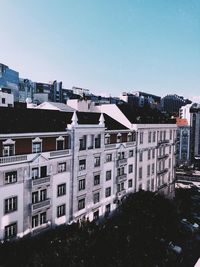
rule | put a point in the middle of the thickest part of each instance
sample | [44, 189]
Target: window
[96, 215]
[108, 192]
[81, 184]
[120, 171]
[11, 177]
[3, 100]
[35, 221]
[148, 170]
[152, 185]
[97, 161]
[97, 141]
[164, 135]
[43, 218]
[130, 137]
[170, 149]
[37, 147]
[108, 208]
[130, 153]
[148, 185]
[153, 153]
[141, 137]
[149, 154]
[61, 190]
[82, 164]
[43, 171]
[108, 157]
[108, 175]
[83, 142]
[10, 204]
[43, 195]
[107, 139]
[8, 150]
[10, 231]
[35, 173]
[60, 143]
[120, 187]
[170, 135]
[120, 155]
[39, 219]
[119, 138]
[149, 137]
[81, 203]
[130, 183]
[140, 156]
[130, 168]
[153, 168]
[97, 179]
[169, 163]
[60, 210]
[154, 136]
[140, 173]
[96, 197]
[62, 167]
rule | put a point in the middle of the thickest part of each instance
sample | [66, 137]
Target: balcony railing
[162, 171]
[12, 159]
[121, 162]
[162, 186]
[121, 193]
[110, 145]
[163, 156]
[163, 141]
[59, 153]
[121, 177]
[43, 204]
[131, 143]
[41, 181]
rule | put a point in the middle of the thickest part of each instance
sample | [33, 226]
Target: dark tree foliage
[133, 236]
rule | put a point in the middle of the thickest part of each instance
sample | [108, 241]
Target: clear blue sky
[108, 46]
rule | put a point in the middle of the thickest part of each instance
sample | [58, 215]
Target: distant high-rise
[195, 134]
[172, 103]
[9, 79]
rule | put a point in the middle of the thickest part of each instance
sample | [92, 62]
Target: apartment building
[35, 171]
[57, 166]
[155, 146]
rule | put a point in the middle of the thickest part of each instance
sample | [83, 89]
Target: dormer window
[107, 139]
[130, 137]
[60, 143]
[37, 145]
[8, 148]
[119, 138]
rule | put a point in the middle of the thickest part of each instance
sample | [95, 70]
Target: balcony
[43, 204]
[162, 171]
[121, 193]
[109, 146]
[121, 177]
[161, 142]
[121, 162]
[59, 153]
[162, 186]
[131, 143]
[41, 181]
[13, 159]
[163, 156]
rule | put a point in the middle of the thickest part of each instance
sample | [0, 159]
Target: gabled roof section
[144, 115]
[93, 118]
[55, 106]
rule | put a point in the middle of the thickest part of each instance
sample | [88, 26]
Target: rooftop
[142, 115]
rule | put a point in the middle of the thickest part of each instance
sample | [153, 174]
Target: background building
[172, 103]
[9, 79]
